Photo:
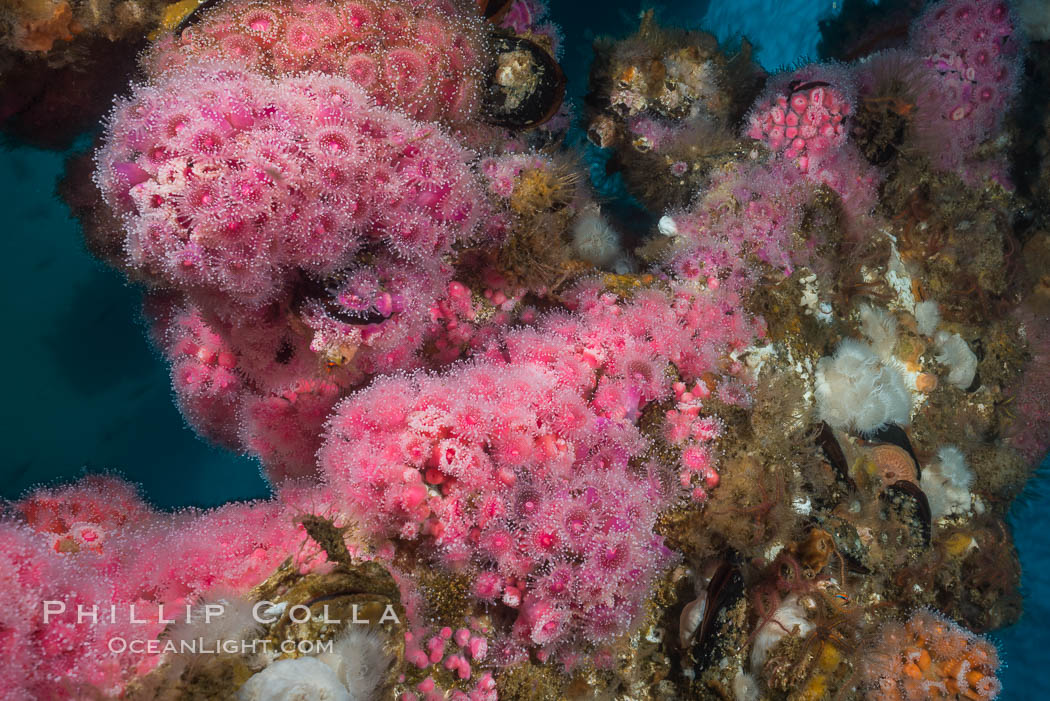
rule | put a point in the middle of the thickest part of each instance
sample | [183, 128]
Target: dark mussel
[899, 494]
[526, 85]
[308, 288]
[829, 445]
[724, 590]
[493, 10]
[848, 543]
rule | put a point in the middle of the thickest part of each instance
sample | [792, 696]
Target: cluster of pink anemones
[504, 471]
[421, 58]
[229, 181]
[804, 119]
[453, 650]
[110, 570]
[972, 52]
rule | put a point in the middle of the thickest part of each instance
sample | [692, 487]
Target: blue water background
[84, 391]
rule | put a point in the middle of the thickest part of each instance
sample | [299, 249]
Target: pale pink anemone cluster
[972, 49]
[803, 116]
[287, 179]
[304, 229]
[88, 569]
[421, 58]
[526, 467]
[230, 182]
[454, 650]
[506, 473]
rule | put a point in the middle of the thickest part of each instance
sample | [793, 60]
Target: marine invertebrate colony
[234, 184]
[106, 572]
[422, 59]
[510, 475]
[804, 118]
[854, 390]
[749, 450]
[973, 52]
[929, 656]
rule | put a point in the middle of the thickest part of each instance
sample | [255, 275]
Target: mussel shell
[493, 10]
[308, 288]
[368, 585]
[540, 104]
[853, 564]
[370, 316]
[977, 346]
[976, 384]
[723, 591]
[848, 542]
[829, 445]
[911, 491]
[193, 15]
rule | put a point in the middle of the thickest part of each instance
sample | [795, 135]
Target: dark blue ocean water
[83, 391]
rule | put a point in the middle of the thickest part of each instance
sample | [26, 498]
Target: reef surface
[756, 439]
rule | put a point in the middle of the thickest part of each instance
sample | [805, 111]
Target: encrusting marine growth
[763, 450]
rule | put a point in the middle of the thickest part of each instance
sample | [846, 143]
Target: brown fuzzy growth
[752, 505]
[536, 252]
[448, 595]
[684, 81]
[957, 236]
[888, 104]
[527, 682]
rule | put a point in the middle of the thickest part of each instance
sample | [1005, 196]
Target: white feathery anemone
[788, 619]
[947, 481]
[927, 317]
[855, 391]
[953, 351]
[295, 679]
[666, 226]
[881, 329]
[745, 687]
[594, 240]
[360, 662]
[218, 617]
[213, 622]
